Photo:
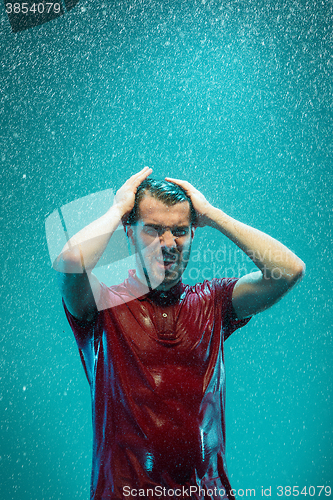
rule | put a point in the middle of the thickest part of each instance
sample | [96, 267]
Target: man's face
[163, 236]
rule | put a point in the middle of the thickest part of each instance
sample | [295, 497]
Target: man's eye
[150, 231]
[180, 232]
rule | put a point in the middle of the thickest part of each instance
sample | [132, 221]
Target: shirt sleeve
[230, 323]
[87, 335]
[84, 331]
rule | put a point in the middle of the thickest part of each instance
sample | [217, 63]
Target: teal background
[234, 97]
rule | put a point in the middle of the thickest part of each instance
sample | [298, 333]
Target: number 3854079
[311, 491]
[35, 8]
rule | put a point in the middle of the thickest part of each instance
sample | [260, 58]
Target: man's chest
[172, 330]
[172, 346]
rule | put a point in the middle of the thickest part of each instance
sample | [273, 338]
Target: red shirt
[155, 367]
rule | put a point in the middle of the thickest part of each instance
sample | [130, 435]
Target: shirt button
[164, 315]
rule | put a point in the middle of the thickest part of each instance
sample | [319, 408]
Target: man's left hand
[199, 202]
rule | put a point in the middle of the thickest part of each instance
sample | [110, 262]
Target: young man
[152, 347]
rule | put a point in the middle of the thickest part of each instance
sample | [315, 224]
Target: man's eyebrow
[184, 226]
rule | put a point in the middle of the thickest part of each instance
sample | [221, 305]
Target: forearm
[83, 251]
[269, 255]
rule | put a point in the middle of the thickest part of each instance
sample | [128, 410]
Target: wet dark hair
[164, 191]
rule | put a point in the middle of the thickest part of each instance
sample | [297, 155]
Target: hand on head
[199, 202]
[125, 196]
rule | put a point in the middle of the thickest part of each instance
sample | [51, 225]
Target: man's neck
[163, 287]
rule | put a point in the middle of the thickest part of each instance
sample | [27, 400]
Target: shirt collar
[141, 291]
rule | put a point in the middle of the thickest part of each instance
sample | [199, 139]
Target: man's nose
[167, 239]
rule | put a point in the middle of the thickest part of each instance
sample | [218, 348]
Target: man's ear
[129, 232]
[193, 230]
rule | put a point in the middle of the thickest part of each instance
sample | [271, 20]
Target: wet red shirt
[155, 367]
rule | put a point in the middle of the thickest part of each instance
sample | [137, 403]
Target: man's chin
[171, 279]
[165, 286]
[162, 279]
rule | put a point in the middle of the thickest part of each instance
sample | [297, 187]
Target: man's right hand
[125, 196]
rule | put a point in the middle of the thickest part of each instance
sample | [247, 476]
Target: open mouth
[168, 264]
[167, 261]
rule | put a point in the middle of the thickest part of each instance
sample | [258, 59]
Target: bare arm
[78, 286]
[279, 268]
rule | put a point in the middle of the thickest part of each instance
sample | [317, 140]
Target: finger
[137, 178]
[138, 174]
[142, 175]
[184, 184]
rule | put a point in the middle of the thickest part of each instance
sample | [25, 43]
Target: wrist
[116, 211]
[216, 218]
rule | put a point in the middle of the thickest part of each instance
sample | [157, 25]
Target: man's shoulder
[114, 295]
[214, 291]
[210, 286]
